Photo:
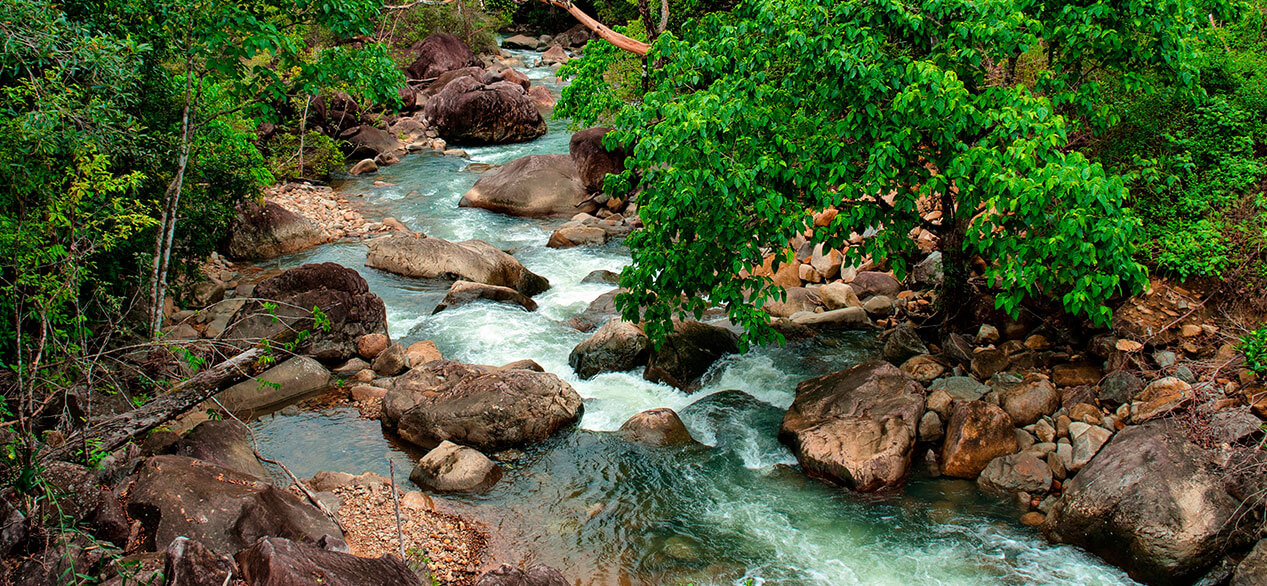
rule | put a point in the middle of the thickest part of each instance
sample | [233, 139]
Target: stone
[924, 368]
[372, 144]
[602, 276]
[878, 305]
[869, 283]
[1252, 571]
[571, 236]
[464, 292]
[224, 443]
[1086, 413]
[986, 362]
[189, 563]
[1165, 359]
[1030, 399]
[523, 42]
[13, 528]
[434, 258]
[1152, 503]
[1087, 441]
[929, 271]
[1033, 519]
[902, 343]
[364, 167]
[1118, 387]
[290, 380]
[826, 264]
[940, 402]
[366, 393]
[843, 318]
[593, 160]
[1076, 374]
[798, 299]
[351, 367]
[688, 352]
[392, 361]
[1044, 431]
[488, 411]
[977, 433]
[962, 388]
[555, 55]
[452, 468]
[930, 427]
[838, 295]
[1016, 473]
[1159, 398]
[83, 499]
[618, 346]
[422, 352]
[956, 349]
[282, 562]
[507, 575]
[856, 427]
[370, 346]
[1057, 464]
[270, 230]
[987, 334]
[342, 295]
[224, 510]
[440, 53]
[468, 112]
[656, 427]
[532, 186]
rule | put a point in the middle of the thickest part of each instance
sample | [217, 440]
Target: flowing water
[604, 511]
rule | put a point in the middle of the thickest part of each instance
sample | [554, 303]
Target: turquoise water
[607, 512]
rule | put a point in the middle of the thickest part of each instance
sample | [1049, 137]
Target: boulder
[189, 563]
[363, 167]
[278, 561]
[1119, 387]
[593, 160]
[924, 368]
[82, 499]
[555, 55]
[452, 468]
[855, 427]
[1013, 473]
[463, 292]
[798, 299]
[532, 186]
[419, 256]
[370, 346]
[977, 433]
[843, 318]
[878, 305]
[929, 271]
[569, 236]
[902, 343]
[224, 443]
[1076, 374]
[490, 411]
[987, 362]
[13, 528]
[838, 295]
[961, 388]
[597, 312]
[1152, 503]
[602, 276]
[1087, 441]
[391, 361]
[869, 283]
[224, 510]
[1030, 399]
[368, 142]
[64, 554]
[439, 53]
[1252, 571]
[422, 352]
[522, 42]
[507, 575]
[618, 346]
[656, 427]
[541, 97]
[342, 295]
[448, 77]
[688, 352]
[265, 231]
[432, 378]
[468, 112]
[290, 380]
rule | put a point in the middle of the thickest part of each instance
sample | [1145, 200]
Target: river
[604, 511]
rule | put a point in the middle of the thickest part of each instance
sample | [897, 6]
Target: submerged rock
[532, 186]
[1152, 503]
[856, 427]
[420, 256]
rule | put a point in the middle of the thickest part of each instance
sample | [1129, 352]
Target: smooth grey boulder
[532, 186]
[452, 468]
[290, 380]
[420, 256]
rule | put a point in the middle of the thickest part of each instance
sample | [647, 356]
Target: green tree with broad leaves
[888, 111]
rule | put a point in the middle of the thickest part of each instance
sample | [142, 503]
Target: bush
[321, 156]
[1254, 346]
[476, 27]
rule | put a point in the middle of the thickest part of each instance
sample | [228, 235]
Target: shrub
[321, 156]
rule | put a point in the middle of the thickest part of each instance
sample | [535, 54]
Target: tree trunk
[621, 41]
[110, 434]
[955, 297]
[171, 203]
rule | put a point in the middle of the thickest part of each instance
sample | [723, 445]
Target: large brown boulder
[432, 378]
[593, 160]
[423, 257]
[468, 112]
[368, 142]
[491, 411]
[977, 433]
[224, 443]
[856, 427]
[656, 427]
[1030, 399]
[532, 186]
[342, 295]
[438, 53]
[464, 292]
[275, 561]
[1151, 502]
[688, 352]
[223, 509]
[618, 346]
[269, 230]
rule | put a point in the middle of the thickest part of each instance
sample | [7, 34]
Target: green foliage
[604, 81]
[321, 156]
[476, 27]
[760, 117]
[1254, 346]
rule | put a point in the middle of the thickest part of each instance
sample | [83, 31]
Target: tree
[954, 116]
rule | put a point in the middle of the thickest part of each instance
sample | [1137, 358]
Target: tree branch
[621, 41]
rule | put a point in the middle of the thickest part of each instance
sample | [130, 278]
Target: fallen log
[109, 434]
